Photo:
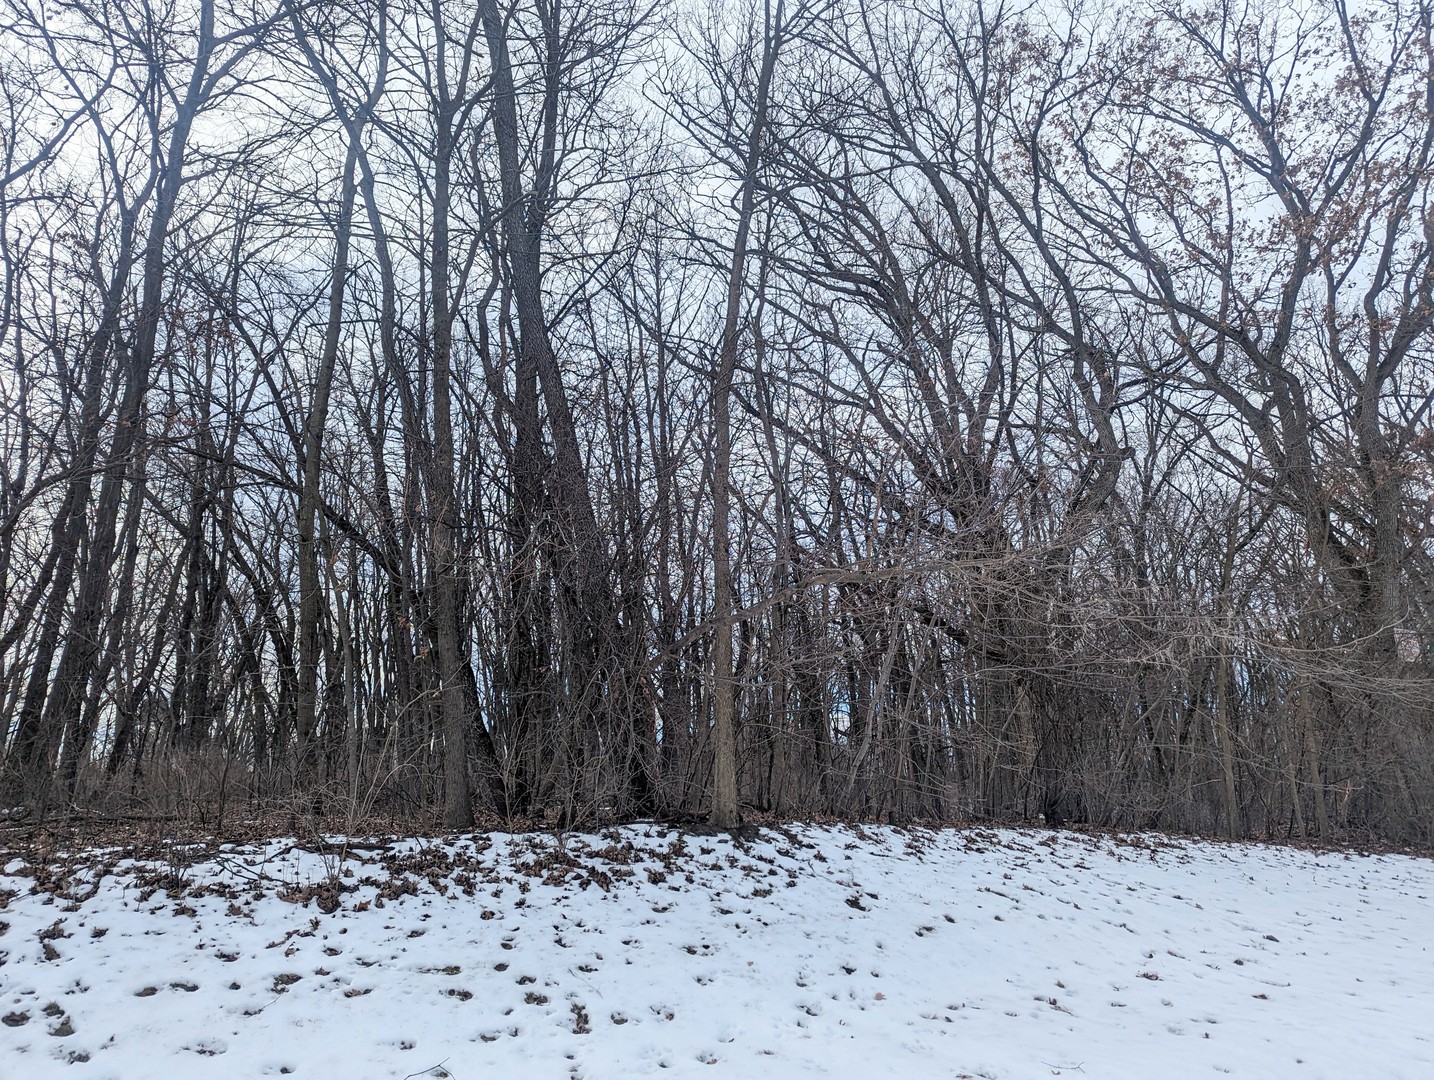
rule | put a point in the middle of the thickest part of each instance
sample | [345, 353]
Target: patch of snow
[808, 951]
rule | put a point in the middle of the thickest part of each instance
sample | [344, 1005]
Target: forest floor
[646, 951]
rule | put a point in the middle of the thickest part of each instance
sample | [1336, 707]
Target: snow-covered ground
[643, 951]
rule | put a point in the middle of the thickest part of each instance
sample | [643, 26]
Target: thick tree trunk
[726, 811]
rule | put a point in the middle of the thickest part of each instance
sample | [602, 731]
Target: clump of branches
[503, 410]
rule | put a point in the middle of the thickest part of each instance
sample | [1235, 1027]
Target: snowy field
[644, 952]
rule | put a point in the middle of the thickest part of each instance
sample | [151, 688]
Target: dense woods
[575, 410]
